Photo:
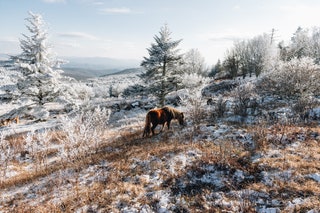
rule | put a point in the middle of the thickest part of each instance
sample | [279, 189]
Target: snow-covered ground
[99, 162]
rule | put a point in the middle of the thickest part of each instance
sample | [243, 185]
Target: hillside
[82, 68]
[85, 73]
[97, 160]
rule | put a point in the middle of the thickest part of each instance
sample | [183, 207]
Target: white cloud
[122, 10]
[80, 35]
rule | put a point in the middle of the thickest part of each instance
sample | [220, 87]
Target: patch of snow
[31, 127]
[181, 160]
[268, 178]
[291, 206]
[315, 176]
[269, 210]
[164, 201]
[213, 178]
[239, 176]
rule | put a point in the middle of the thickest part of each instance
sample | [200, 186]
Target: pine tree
[216, 69]
[40, 73]
[162, 64]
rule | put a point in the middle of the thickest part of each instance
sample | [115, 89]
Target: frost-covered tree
[315, 44]
[293, 79]
[162, 64]
[249, 57]
[301, 45]
[262, 54]
[193, 62]
[40, 70]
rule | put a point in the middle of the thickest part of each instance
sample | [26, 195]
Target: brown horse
[161, 116]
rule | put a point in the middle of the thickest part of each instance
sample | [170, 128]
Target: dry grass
[119, 172]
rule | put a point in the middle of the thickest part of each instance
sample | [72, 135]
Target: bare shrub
[303, 106]
[260, 138]
[229, 153]
[220, 108]
[242, 98]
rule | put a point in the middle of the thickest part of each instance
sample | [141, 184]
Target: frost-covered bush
[83, 132]
[115, 90]
[100, 91]
[6, 154]
[75, 92]
[292, 79]
[193, 100]
[193, 80]
[37, 146]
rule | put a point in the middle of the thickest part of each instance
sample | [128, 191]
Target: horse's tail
[147, 127]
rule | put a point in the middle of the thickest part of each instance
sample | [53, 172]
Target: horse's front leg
[152, 128]
[162, 127]
[168, 124]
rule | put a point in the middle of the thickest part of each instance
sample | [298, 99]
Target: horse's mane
[174, 113]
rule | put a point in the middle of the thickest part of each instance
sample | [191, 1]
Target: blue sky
[125, 28]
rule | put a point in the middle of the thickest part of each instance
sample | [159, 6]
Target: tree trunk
[162, 92]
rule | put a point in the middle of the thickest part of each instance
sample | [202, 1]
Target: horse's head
[181, 119]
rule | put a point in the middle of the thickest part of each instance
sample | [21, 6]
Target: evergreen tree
[231, 63]
[40, 74]
[162, 65]
[215, 69]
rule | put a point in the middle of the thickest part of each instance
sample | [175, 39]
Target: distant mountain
[100, 63]
[84, 73]
[3, 57]
[127, 71]
[88, 67]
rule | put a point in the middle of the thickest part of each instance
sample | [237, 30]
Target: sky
[124, 29]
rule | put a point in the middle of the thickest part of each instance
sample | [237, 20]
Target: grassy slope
[126, 172]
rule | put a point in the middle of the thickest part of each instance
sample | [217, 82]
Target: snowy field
[97, 160]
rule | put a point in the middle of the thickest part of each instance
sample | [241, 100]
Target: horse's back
[157, 116]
